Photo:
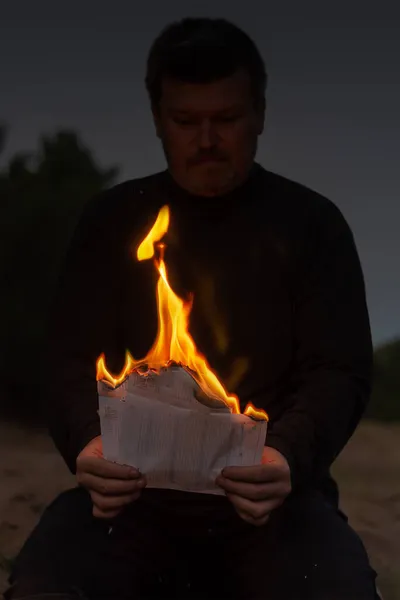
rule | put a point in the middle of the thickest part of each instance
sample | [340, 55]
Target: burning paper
[168, 414]
[156, 423]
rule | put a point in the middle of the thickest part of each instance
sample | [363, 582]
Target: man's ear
[156, 120]
[261, 117]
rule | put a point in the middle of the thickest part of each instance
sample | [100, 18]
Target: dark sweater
[279, 310]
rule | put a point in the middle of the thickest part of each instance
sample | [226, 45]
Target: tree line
[42, 194]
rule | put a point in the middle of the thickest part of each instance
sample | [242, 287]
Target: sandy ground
[32, 473]
[368, 472]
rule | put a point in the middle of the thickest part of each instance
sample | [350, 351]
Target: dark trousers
[177, 545]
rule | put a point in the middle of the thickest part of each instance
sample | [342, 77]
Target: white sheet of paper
[156, 424]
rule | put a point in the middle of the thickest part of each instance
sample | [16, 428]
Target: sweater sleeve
[332, 362]
[81, 325]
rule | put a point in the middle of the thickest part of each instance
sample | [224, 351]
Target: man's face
[209, 132]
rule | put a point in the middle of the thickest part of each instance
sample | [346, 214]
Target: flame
[156, 233]
[173, 342]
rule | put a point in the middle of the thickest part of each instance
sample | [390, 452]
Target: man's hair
[203, 50]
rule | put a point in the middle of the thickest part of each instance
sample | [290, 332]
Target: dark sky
[333, 119]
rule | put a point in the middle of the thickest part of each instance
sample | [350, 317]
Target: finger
[111, 487]
[113, 503]
[105, 468]
[252, 491]
[256, 522]
[100, 514]
[258, 473]
[255, 510]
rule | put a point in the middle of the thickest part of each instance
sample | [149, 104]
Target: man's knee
[33, 590]
[307, 551]
[336, 561]
[46, 596]
[58, 527]
[51, 558]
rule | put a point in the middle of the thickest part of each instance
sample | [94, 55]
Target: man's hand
[111, 486]
[256, 491]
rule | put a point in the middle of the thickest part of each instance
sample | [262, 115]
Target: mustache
[207, 156]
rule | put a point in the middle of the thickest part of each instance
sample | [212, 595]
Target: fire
[173, 342]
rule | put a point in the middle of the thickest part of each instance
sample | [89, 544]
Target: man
[279, 311]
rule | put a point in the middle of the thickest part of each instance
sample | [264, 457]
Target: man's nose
[208, 136]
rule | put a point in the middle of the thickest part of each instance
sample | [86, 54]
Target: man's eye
[230, 119]
[183, 122]
[193, 122]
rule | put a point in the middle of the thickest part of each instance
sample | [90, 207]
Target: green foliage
[42, 195]
[385, 401]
